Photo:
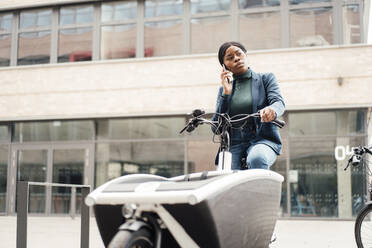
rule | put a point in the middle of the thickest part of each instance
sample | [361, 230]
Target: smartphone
[229, 77]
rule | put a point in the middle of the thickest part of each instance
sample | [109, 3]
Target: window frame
[233, 13]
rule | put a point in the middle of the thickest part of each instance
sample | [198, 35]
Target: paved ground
[61, 232]
[314, 234]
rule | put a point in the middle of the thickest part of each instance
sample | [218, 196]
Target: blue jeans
[259, 156]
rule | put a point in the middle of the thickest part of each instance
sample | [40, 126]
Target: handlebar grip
[278, 123]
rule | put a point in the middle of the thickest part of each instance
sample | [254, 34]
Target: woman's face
[235, 60]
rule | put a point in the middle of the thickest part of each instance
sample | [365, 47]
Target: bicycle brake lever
[348, 163]
[187, 126]
[183, 130]
[193, 123]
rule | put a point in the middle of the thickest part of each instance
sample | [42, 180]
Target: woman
[258, 141]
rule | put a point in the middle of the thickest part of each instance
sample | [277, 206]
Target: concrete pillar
[343, 177]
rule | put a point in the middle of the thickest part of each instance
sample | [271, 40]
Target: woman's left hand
[267, 114]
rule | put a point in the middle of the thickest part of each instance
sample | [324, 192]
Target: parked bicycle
[363, 223]
[211, 209]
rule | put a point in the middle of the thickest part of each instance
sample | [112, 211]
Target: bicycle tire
[129, 239]
[363, 227]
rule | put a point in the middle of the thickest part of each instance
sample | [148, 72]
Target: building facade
[92, 90]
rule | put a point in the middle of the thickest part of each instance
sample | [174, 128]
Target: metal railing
[22, 210]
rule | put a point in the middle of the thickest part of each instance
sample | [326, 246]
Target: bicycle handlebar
[276, 122]
[198, 119]
[356, 158]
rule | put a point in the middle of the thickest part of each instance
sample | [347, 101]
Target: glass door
[32, 166]
[53, 163]
[3, 176]
[68, 168]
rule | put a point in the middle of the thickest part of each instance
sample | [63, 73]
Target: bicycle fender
[134, 225]
[368, 203]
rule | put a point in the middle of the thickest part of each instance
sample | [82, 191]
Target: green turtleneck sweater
[241, 100]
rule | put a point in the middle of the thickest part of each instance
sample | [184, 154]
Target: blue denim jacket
[265, 92]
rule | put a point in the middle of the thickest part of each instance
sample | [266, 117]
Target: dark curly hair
[225, 46]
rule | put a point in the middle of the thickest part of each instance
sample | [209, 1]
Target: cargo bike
[222, 208]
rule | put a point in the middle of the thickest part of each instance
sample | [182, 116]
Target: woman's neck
[241, 73]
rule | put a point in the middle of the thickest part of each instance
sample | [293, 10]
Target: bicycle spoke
[366, 231]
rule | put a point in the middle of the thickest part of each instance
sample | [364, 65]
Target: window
[68, 167]
[140, 128]
[118, 11]
[150, 145]
[34, 39]
[155, 8]
[163, 38]
[35, 19]
[319, 143]
[327, 123]
[32, 166]
[307, 1]
[118, 30]
[34, 48]
[204, 6]
[314, 188]
[4, 133]
[118, 41]
[75, 44]
[6, 22]
[76, 34]
[53, 131]
[311, 27]
[312, 123]
[5, 38]
[163, 158]
[244, 4]
[351, 24]
[207, 34]
[260, 30]
[76, 15]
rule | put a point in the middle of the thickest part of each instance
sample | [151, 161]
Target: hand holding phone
[226, 77]
[227, 73]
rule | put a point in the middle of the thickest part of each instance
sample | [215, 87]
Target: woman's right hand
[226, 77]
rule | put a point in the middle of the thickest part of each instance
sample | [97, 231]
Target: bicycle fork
[141, 218]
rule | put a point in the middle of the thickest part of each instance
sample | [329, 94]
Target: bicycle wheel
[127, 239]
[363, 228]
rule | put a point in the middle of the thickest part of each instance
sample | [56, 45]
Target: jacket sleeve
[221, 105]
[273, 95]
